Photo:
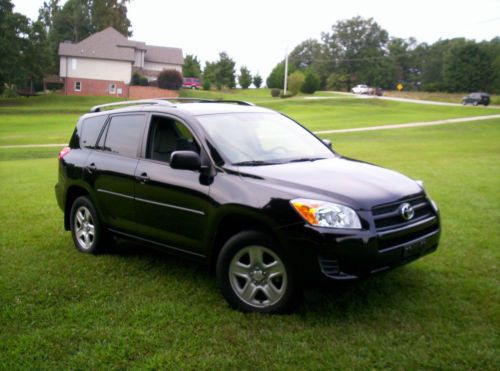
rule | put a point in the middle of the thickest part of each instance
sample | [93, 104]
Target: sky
[257, 33]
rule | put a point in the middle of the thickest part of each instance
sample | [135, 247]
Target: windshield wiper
[254, 163]
[302, 159]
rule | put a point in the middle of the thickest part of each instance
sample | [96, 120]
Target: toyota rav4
[258, 197]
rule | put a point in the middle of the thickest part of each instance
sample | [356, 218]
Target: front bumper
[324, 253]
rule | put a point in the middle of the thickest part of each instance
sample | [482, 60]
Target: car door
[111, 169]
[172, 205]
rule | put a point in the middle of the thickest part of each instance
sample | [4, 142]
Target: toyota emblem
[407, 211]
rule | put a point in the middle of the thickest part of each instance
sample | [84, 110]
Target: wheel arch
[72, 194]
[233, 222]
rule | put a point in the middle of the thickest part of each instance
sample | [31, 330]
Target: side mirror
[328, 143]
[185, 160]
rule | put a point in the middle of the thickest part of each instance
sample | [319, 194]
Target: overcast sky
[256, 33]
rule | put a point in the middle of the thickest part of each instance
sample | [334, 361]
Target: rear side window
[91, 128]
[124, 134]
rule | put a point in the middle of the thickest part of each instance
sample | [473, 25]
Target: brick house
[103, 63]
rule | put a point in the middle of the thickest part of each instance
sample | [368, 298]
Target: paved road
[409, 100]
[411, 124]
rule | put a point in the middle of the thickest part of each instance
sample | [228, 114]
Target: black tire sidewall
[98, 232]
[228, 251]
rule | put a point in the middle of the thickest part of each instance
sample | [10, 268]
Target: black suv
[261, 199]
[476, 99]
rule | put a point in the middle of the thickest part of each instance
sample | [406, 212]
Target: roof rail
[131, 103]
[205, 100]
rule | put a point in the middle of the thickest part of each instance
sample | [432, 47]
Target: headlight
[326, 214]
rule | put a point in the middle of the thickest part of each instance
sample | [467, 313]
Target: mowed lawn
[137, 308]
[51, 119]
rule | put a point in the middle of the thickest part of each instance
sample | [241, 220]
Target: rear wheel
[255, 276]
[86, 229]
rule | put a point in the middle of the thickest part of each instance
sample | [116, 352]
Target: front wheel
[255, 276]
[86, 229]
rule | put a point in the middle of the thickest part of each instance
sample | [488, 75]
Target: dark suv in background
[262, 200]
[476, 99]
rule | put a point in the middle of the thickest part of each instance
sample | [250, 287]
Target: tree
[209, 72]
[224, 72]
[245, 78]
[78, 19]
[191, 67]
[257, 81]
[24, 48]
[277, 77]
[295, 81]
[170, 79]
[311, 82]
[467, 68]
[105, 13]
[338, 82]
[356, 47]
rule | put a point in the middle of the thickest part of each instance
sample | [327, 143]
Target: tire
[255, 275]
[193, 87]
[86, 229]
[474, 104]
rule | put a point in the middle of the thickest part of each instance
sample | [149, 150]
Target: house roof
[110, 44]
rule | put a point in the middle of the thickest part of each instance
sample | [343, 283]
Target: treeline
[220, 73]
[30, 47]
[360, 51]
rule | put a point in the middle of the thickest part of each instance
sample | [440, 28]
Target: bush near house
[170, 79]
[139, 80]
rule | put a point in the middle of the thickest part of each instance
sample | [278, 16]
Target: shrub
[338, 82]
[10, 91]
[311, 82]
[139, 80]
[257, 81]
[207, 85]
[136, 79]
[295, 81]
[287, 95]
[170, 79]
[275, 92]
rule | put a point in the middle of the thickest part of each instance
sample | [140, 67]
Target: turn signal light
[64, 152]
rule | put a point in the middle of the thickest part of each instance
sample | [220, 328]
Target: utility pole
[286, 69]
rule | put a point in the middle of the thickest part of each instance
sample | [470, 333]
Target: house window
[112, 88]
[78, 86]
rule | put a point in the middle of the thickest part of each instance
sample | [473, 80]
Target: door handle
[143, 178]
[91, 168]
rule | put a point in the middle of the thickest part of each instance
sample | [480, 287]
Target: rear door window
[91, 128]
[124, 134]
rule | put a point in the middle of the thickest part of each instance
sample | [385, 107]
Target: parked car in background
[375, 91]
[191, 83]
[360, 89]
[476, 99]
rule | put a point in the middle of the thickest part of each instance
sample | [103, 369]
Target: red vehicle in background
[191, 83]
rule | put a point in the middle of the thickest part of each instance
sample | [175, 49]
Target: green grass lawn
[137, 308]
[51, 119]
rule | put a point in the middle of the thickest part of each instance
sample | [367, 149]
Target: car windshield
[250, 139]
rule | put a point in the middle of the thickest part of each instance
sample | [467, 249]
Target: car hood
[354, 183]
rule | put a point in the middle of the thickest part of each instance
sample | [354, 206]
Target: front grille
[388, 216]
[394, 230]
